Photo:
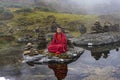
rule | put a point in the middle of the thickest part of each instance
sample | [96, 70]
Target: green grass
[39, 19]
[35, 19]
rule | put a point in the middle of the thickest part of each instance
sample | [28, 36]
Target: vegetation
[6, 15]
[40, 18]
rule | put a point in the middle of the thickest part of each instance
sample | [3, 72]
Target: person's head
[59, 29]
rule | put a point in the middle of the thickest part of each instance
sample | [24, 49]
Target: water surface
[94, 64]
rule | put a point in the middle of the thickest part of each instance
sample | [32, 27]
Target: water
[98, 63]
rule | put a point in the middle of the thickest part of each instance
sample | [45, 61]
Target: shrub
[45, 9]
[1, 10]
[26, 21]
[25, 10]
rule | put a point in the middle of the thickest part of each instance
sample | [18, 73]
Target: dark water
[101, 63]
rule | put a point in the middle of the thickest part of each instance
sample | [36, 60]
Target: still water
[98, 63]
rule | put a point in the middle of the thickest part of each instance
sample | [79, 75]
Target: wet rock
[73, 54]
[97, 39]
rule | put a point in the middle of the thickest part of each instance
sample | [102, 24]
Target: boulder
[43, 58]
[97, 39]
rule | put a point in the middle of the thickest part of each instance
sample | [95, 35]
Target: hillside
[18, 1]
[31, 19]
[44, 19]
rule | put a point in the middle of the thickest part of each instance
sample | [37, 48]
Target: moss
[63, 55]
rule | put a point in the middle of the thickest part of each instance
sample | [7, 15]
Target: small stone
[61, 60]
[74, 54]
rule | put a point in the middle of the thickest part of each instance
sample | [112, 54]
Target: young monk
[59, 42]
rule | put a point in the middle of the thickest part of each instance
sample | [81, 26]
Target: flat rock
[97, 39]
[73, 54]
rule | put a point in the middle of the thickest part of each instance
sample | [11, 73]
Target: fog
[85, 6]
[77, 6]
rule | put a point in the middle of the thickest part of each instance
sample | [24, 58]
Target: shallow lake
[98, 63]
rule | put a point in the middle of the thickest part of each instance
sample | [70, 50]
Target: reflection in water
[2, 78]
[60, 70]
[117, 49]
[103, 51]
[106, 66]
[98, 55]
[104, 54]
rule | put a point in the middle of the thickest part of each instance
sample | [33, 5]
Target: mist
[77, 6]
[84, 6]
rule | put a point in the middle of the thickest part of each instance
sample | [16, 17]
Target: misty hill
[76, 6]
[18, 1]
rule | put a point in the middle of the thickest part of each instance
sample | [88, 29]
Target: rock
[26, 52]
[54, 26]
[107, 27]
[28, 58]
[97, 28]
[73, 53]
[97, 39]
[41, 40]
[24, 40]
[115, 28]
[69, 35]
[50, 35]
[30, 50]
[82, 29]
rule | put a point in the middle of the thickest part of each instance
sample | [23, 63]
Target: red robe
[58, 44]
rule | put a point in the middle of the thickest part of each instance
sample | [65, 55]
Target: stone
[97, 28]
[54, 26]
[97, 39]
[26, 52]
[107, 27]
[115, 28]
[30, 50]
[82, 29]
[42, 58]
[41, 40]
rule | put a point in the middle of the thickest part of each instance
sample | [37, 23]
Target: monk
[59, 42]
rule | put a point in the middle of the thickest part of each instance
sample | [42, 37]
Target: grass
[75, 34]
[39, 19]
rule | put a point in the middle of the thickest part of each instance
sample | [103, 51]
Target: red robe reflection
[60, 70]
[58, 44]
